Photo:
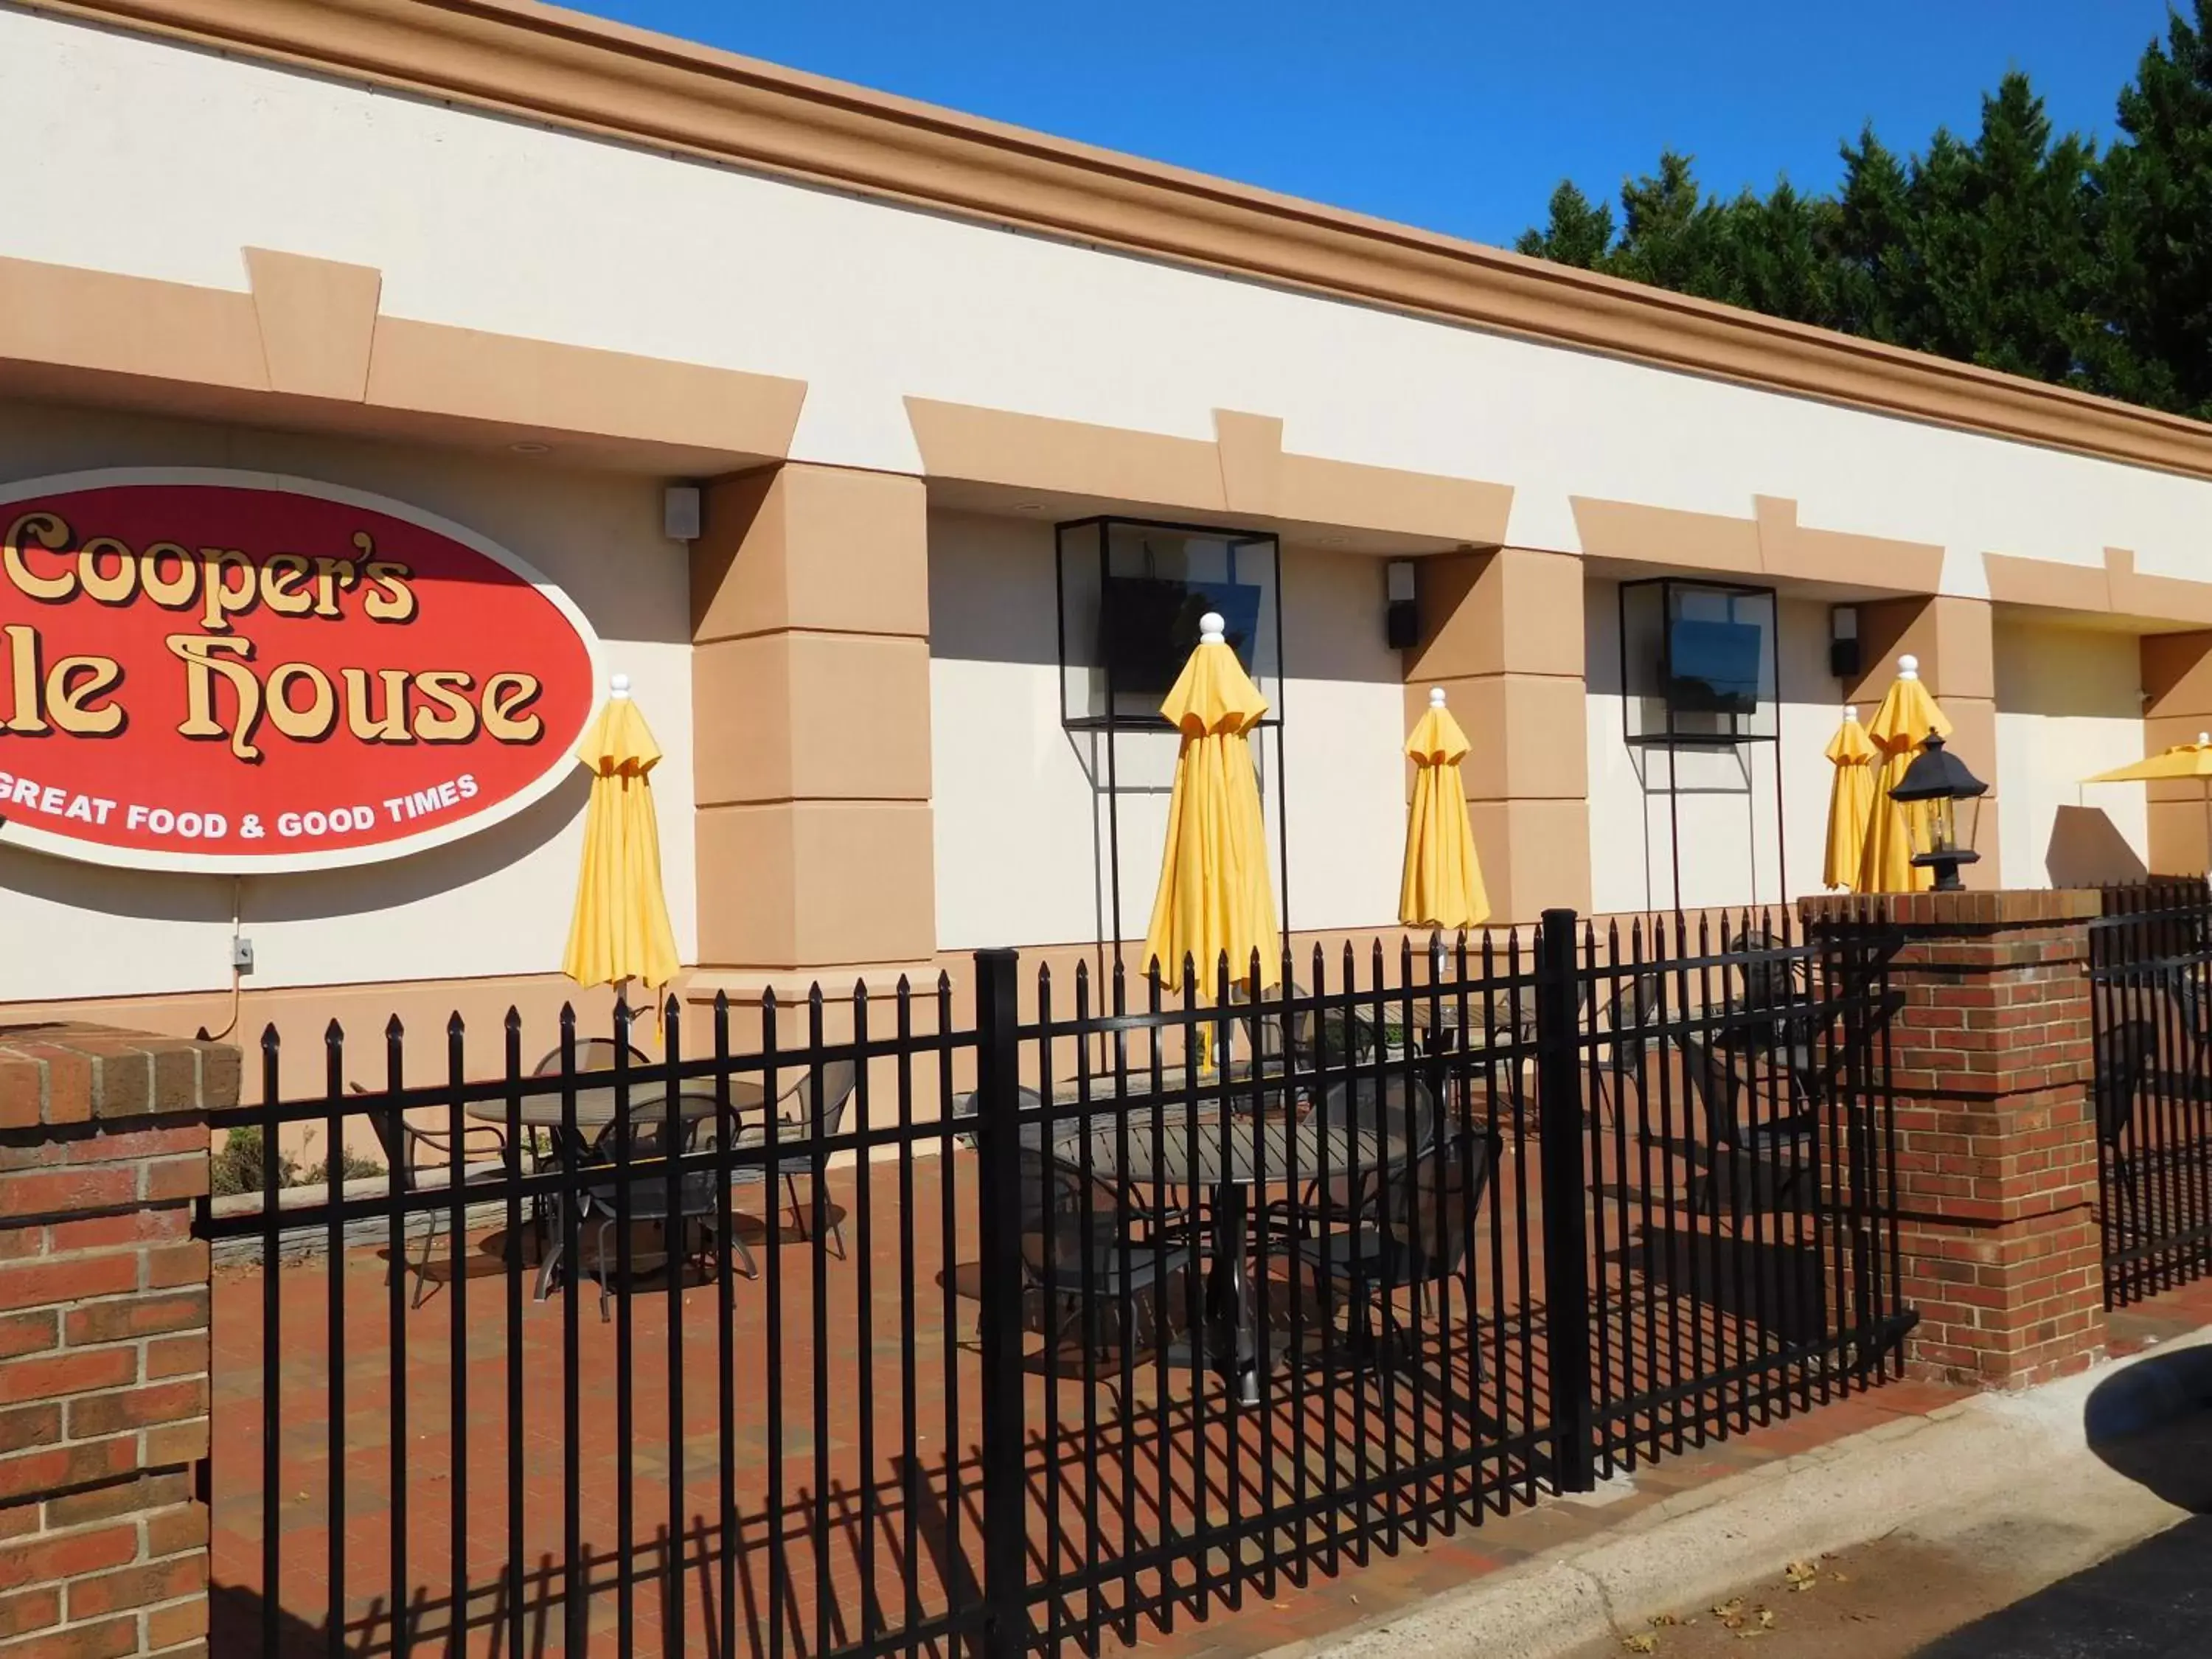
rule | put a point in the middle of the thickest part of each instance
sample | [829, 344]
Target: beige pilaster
[810, 609]
[1502, 632]
[1953, 639]
[2176, 682]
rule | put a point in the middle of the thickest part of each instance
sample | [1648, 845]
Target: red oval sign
[236, 672]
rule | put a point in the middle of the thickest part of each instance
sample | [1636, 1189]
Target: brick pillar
[1996, 1135]
[2177, 682]
[1956, 644]
[104, 1339]
[1502, 632]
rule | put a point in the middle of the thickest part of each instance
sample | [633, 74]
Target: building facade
[521, 273]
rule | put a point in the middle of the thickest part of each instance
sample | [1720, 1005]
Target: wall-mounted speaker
[1844, 642]
[680, 513]
[1401, 611]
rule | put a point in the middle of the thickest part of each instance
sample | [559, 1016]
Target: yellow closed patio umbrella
[620, 931]
[1215, 894]
[2182, 760]
[1851, 799]
[1894, 831]
[1442, 885]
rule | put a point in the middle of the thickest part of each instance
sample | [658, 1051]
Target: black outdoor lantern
[1941, 778]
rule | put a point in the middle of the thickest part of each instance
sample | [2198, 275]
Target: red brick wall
[104, 1337]
[1996, 1146]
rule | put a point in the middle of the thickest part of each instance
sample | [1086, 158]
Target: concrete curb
[1697, 1545]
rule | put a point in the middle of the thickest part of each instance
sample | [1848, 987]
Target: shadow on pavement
[2153, 1601]
[2152, 1423]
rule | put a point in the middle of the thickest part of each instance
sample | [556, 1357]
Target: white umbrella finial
[1212, 628]
[1851, 711]
[1908, 668]
[619, 686]
[2204, 739]
[1435, 696]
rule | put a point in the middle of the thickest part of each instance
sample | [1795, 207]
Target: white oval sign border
[14, 832]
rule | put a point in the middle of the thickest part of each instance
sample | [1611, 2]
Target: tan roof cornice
[588, 75]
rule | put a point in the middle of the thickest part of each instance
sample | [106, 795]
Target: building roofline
[588, 75]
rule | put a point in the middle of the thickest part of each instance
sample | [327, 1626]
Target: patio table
[596, 1108]
[1498, 1017]
[1232, 1156]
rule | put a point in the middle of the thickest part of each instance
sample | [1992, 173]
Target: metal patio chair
[1413, 1229]
[406, 1145]
[1632, 1026]
[1777, 1154]
[1276, 1041]
[1361, 1107]
[1086, 1266]
[593, 1056]
[1766, 984]
[2126, 1055]
[1775, 1016]
[640, 1171]
[811, 1109]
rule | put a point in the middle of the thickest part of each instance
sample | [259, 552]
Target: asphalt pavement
[2151, 1601]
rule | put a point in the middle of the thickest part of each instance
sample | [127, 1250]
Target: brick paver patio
[837, 1522]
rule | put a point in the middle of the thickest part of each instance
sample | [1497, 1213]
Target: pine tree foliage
[2017, 248]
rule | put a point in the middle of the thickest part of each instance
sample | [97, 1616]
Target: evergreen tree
[2154, 216]
[2000, 268]
[1577, 233]
[1780, 251]
[1672, 234]
[1876, 264]
[2002, 251]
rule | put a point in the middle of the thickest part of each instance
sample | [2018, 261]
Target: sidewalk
[1330, 1609]
[1574, 1575]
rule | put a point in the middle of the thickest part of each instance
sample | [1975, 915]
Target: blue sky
[1459, 116]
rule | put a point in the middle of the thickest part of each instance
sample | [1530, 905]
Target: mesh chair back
[2123, 1056]
[650, 1144]
[825, 1094]
[1429, 1209]
[1052, 1209]
[1634, 1020]
[1769, 978]
[1716, 1077]
[392, 1137]
[1275, 1035]
[649, 1136]
[1363, 1105]
[1773, 985]
[592, 1054]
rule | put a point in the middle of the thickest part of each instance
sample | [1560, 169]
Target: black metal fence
[1062, 1313]
[2150, 968]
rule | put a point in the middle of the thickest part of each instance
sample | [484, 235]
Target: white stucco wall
[492, 904]
[1022, 827]
[2069, 703]
[1734, 850]
[163, 162]
[496, 224]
